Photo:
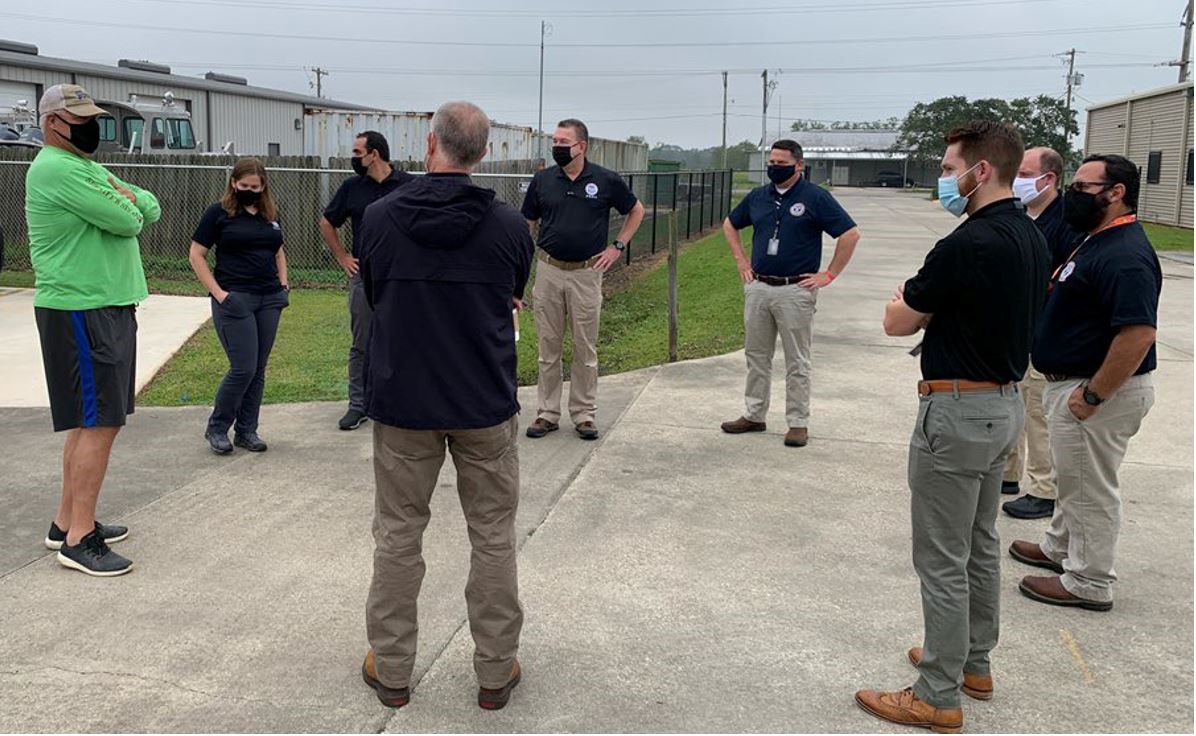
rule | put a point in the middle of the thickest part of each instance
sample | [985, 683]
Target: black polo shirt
[984, 284]
[357, 193]
[246, 246]
[1113, 281]
[1060, 237]
[798, 217]
[574, 214]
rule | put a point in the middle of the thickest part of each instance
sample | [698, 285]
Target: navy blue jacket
[441, 260]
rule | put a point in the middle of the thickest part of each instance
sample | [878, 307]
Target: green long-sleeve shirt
[83, 233]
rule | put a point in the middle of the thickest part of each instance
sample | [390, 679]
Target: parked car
[892, 179]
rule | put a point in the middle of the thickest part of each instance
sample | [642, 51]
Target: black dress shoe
[1030, 507]
[219, 442]
[1010, 487]
[250, 441]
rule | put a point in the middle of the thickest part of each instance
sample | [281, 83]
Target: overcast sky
[840, 59]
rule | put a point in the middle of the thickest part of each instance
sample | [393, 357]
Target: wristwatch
[619, 245]
[1091, 398]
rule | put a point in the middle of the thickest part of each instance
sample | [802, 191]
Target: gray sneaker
[93, 556]
[219, 443]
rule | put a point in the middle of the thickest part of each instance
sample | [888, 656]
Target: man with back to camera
[1037, 185]
[1096, 347]
[83, 226]
[375, 178]
[978, 296]
[781, 283]
[443, 261]
[571, 204]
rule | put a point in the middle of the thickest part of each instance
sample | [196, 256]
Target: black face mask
[562, 155]
[781, 174]
[86, 135]
[1082, 210]
[247, 198]
[358, 167]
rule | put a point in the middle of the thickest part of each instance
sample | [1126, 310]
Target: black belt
[1056, 377]
[778, 280]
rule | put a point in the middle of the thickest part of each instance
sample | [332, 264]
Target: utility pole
[768, 88]
[320, 74]
[1184, 63]
[724, 120]
[544, 30]
[1071, 74]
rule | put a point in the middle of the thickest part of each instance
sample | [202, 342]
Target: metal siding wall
[1156, 124]
[35, 76]
[118, 90]
[1185, 205]
[253, 123]
[1104, 132]
[330, 133]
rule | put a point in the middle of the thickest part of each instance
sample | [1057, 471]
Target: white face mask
[1025, 188]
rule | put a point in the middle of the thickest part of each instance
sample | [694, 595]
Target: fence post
[702, 205]
[673, 286]
[627, 253]
[689, 205]
[655, 192]
[730, 187]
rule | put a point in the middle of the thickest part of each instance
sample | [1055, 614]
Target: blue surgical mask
[949, 196]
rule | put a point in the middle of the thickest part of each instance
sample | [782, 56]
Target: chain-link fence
[700, 198]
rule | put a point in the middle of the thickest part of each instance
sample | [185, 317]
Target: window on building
[134, 132]
[107, 128]
[1189, 176]
[1154, 165]
[158, 134]
[274, 149]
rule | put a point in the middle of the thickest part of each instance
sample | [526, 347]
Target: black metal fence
[700, 198]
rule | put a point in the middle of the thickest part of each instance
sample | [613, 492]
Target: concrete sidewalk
[674, 578]
[164, 323]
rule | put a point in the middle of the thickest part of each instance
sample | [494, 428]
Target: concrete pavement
[164, 324]
[674, 578]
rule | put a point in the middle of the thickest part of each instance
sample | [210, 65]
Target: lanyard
[1118, 222]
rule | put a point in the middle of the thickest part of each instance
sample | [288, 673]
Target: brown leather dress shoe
[389, 696]
[1030, 553]
[1049, 589]
[797, 437]
[743, 424]
[904, 708]
[977, 687]
[541, 427]
[496, 699]
[587, 431]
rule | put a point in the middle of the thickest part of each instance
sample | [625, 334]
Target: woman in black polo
[249, 292]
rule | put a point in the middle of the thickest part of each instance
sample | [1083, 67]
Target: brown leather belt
[567, 265]
[926, 388]
[778, 280]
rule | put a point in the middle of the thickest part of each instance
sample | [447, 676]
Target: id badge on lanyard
[774, 243]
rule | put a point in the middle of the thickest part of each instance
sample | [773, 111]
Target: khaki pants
[956, 456]
[406, 466]
[573, 297]
[769, 311]
[1032, 453]
[1087, 455]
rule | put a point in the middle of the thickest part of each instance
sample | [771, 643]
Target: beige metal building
[1154, 130]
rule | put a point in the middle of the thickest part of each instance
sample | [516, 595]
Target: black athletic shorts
[91, 365]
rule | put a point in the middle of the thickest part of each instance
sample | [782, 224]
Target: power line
[904, 5]
[616, 45]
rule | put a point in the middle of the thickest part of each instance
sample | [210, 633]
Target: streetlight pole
[540, 119]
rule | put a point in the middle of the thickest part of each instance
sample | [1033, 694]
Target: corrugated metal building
[257, 120]
[1154, 130]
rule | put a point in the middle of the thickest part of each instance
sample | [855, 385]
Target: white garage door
[11, 92]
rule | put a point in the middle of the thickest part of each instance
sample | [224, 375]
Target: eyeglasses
[1082, 186]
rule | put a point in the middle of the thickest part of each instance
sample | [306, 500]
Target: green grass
[309, 361]
[1166, 237]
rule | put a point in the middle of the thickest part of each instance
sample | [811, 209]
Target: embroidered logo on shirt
[1067, 270]
[591, 190]
[797, 210]
[274, 224]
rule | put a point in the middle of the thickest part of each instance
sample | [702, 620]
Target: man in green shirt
[83, 226]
